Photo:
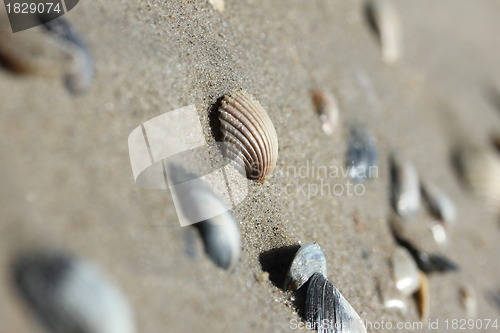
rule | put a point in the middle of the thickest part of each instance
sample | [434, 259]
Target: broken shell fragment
[384, 20]
[427, 262]
[308, 260]
[361, 154]
[327, 310]
[405, 188]
[327, 108]
[439, 204]
[423, 297]
[250, 136]
[469, 301]
[52, 49]
[70, 295]
[405, 271]
[206, 211]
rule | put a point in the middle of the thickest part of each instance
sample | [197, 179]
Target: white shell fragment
[247, 128]
[327, 108]
[218, 5]
[469, 301]
[219, 231]
[327, 310]
[70, 295]
[308, 260]
[439, 204]
[405, 188]
[385, 21]
[405, 271]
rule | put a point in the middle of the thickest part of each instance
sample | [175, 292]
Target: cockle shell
[405, 271]
[248, 130]
[327, 108]
[405, 188]
[52, 49]
[218, 230]
[361, 159]
[71, 295]
[308, 260]
[327, 310]
[384, 19]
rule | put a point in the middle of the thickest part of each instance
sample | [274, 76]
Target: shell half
[248, 134]
[308, 260]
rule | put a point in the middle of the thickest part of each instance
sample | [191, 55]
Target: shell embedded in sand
[384, 18]
[479, 168]
[249, 134]
[405, 188]
[438, 203]
[361, 156]
[405, 271]
[327, 108]
[52, 49]
[308, 260]
[70, 294]
[327, 310]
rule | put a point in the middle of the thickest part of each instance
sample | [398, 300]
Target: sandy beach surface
[67, 180]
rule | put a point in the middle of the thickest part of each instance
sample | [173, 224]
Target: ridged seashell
[219, 231]
[247, 128]
[469, 301]
[405, 271]
[327, 310]
[439, 204]
[423, 297]
[405, 188]
[361, 154]
[327, 108]
[479, 168]
[384, 20]
[71, 295]
[427, 262]
[52, 49]
[308, 260]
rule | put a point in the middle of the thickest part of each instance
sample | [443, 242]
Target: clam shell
[327, 108]
[479, 168]
[71, 295]
[52, 49]
[219, 231]
[405, 271]
[361, 159]
[439, 204]
[327, 310]
[386, 23]
[246, 126]
[405, 188]
[218, 5]
[308, 260]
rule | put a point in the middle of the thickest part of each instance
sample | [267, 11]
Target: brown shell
[245, 125]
